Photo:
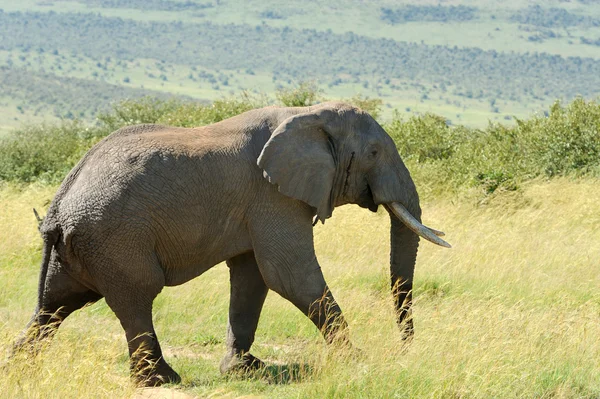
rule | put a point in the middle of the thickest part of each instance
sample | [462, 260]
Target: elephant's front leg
[248, 293]
[312, 296]
[286, 258]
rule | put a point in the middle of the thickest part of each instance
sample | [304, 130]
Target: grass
[511, 311]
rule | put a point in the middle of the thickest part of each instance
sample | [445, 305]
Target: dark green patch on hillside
[591, 42]
[308, 54]
[67, 97]
[552, 18]
[159, 5]
[439, 13]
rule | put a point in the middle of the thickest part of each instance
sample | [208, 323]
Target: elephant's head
[333, 154]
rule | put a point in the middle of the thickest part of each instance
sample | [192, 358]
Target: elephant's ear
[299, 158]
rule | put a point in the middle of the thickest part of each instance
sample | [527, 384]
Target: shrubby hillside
[160, 5]
[439, 13]
[306, 54]
[67, 97]
[468, 63]
[553, 18]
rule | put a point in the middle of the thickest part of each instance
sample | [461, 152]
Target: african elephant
[153, 206]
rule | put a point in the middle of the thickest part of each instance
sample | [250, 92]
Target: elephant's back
[124, 168]
[156, 178]
[186, 202]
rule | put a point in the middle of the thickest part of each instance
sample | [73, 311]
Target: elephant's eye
[373, 153]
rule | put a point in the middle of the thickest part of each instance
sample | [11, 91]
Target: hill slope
[469, 61]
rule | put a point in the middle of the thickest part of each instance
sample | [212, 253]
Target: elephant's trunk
[405, 231]
[403, 255]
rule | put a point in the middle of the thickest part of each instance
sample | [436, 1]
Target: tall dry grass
[512, 311]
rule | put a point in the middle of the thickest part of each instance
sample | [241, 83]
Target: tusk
[436, 232]
[409, 220]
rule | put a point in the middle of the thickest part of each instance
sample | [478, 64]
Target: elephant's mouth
[365, 200]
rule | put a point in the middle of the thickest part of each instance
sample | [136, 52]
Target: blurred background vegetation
[469, 62]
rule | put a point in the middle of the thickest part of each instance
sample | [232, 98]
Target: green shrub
[425, 138]
[44, 153]
[567, 141]
[302, 95]
[176, 112]
[371, 105]
[189, 114]
[133, 112]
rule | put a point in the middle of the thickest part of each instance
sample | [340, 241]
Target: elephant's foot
[161, 374]
[236, 363]
[407, 331]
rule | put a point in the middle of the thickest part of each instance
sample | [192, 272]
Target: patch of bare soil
[165, 393]
[161, 393]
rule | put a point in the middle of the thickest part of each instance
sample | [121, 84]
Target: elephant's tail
[50, 238]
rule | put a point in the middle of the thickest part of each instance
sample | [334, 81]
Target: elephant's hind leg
[147, 365]
[130, 287]
[248, 293]
[62, 295]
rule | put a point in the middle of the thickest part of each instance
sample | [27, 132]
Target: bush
[566, 142]
[45, 153]
[425, 138]
[371, 105]
[133, 112]
[305, 94]
[499, 157]
[176, 112]
[189, 114]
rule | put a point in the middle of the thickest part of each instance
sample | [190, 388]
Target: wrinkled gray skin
[153, 206]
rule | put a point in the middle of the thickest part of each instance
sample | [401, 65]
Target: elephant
[151, 206]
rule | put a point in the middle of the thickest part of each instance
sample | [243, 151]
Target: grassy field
[512, 311]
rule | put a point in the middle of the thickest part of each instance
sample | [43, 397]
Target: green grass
[511, 311]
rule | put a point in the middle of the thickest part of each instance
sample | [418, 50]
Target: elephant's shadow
[283, 373]
[278, 374]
